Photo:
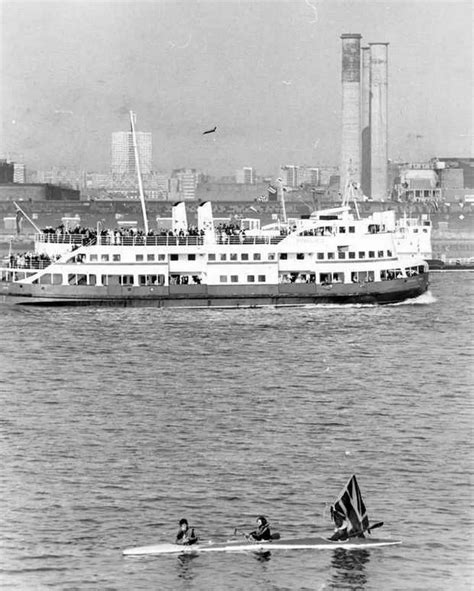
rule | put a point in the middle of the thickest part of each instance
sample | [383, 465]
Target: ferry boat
[327, 259]
[331, 257]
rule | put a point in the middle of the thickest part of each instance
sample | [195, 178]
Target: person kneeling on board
[341, 526]
[263, 531]
[185, 535]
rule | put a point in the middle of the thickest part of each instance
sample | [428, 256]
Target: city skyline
[267, 74]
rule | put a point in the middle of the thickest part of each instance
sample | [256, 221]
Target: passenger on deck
[263, 531]
[185, 535]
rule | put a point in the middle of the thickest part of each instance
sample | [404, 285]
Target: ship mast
[18, 209]
[139, 174]
[281, 195]
[350, 192]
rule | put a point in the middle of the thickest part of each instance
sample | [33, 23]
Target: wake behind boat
[348, 512]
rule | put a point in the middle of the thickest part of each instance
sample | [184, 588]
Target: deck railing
[53, 238]
[186, 240]
[119, 240]
[25, 263]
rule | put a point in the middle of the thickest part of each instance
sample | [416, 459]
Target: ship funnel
[205, 219]
[178, 215]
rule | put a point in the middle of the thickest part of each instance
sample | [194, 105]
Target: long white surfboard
[238, 546]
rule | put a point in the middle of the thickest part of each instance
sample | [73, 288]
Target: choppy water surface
[116, 423]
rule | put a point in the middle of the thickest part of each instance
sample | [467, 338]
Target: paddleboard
[245, 546]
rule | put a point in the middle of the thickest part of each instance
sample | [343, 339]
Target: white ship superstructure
[330, 257]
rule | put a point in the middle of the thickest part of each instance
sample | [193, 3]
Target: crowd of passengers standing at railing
[91, 233]
[80, 235]
[30, 260]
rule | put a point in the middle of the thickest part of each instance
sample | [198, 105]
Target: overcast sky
[267, 73]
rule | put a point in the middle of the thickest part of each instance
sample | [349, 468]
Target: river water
[117, 423]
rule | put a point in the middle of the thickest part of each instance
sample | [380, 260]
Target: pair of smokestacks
[364, 153]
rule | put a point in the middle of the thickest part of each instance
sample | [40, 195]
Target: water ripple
[116, 423]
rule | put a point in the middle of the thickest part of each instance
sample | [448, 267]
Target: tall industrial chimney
[350, 148]
[378, 121]
[365, 122]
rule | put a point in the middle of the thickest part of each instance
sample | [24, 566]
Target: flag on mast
[272, 191]
[350, 506]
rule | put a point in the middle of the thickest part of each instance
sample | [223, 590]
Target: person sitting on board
[263, 531]
[341, 527]
[185, 535]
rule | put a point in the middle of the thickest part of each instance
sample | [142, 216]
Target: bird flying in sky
[210, 131]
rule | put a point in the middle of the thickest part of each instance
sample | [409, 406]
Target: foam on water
[425, 299]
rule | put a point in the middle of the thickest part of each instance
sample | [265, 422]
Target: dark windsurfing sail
[350, 507]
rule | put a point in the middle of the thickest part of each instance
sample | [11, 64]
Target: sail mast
[139, 174]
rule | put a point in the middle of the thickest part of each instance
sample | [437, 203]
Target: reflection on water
[349, 569]
[185, 566]
[262, 556]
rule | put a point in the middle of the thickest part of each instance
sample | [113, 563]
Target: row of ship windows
[189, 279]
[256, 256]
[330, 230]
[141, 280]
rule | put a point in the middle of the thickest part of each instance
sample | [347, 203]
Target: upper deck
[273, 234]
[118, 239]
